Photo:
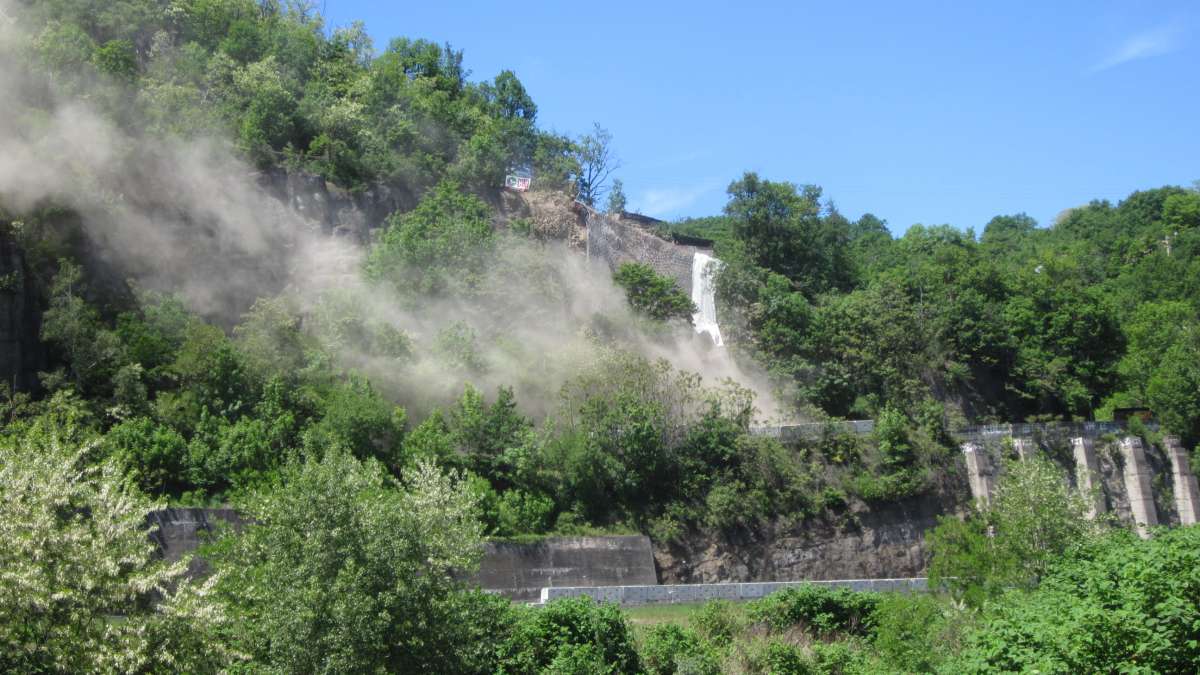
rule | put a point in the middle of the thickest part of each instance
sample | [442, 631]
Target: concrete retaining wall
[520, 570]
[685, 593]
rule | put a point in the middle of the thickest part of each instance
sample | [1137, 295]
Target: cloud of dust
[188, 216]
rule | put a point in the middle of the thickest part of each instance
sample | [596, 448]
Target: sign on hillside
[518, 179]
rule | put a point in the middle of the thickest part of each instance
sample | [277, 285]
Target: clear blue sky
[918, 112]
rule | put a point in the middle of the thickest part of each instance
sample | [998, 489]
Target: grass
[650, 615]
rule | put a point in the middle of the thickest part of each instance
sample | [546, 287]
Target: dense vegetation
[328, 422]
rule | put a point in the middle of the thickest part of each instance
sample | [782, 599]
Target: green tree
[343, 571]
[1033, 519]
[77, 556]
[616, 198]
[783, 230]
[653, 294]
[117, 59]
[440, 246]
[1120, 605]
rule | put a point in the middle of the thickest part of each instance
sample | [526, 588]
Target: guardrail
[687, 593]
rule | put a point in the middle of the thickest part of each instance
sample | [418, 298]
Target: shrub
[653, 294]
[1121, 605]
[915, 632]
[717, 621]
[1035, 517]
[155, 455]
[822, 609]
[666, 647]
[570, 636]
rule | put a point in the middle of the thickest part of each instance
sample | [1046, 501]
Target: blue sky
[919, 112]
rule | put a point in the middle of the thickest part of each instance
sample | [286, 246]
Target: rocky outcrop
[333, 210]
[865, 542]
[21, 352]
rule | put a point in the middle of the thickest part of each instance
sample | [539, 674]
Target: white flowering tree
[81, 586]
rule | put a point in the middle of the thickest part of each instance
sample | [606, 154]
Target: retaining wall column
[1137, 484]
[979, 473]
[1187, 492]
[1087, 474]
[1025, 448]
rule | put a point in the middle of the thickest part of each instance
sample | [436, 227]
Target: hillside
[249, 261]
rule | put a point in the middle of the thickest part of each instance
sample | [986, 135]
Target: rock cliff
[21, 352]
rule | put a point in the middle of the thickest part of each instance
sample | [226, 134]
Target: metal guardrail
[741, 591]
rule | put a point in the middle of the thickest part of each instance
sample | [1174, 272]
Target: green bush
[717, 621]
[570, 636]
[915, 633]
[653, 294]
[668, 649]
[821, 609]
[1121, 605]
[156, 455]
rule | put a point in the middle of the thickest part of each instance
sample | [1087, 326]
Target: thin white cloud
[1144, 45]
[666, 201]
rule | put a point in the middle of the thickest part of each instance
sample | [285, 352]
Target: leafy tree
[93, 352]
[355, 417]
[1119, 605]
[782, 229]
[154, 454]
[77, 555]
[616, 198]
[653, 294]
[437, 247]
[362, 572]
[1034, 518]
[117, 58]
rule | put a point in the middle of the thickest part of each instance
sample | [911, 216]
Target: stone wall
[616, 242]
[520, 570]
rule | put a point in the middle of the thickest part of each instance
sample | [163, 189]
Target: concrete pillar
[979, 473]
[1187, 493]
[1137, 485]
[1087, 474]
[1025, 447]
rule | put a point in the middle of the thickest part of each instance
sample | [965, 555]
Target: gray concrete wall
[520, 570]
[688, 593]
[1183, 481]
[616, 242]
[180, 531]
[981, 475]
[1138, 485]
[1087, 474]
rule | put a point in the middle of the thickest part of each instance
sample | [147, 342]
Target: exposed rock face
[21, 352]
[887, 541]
[334, 210]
